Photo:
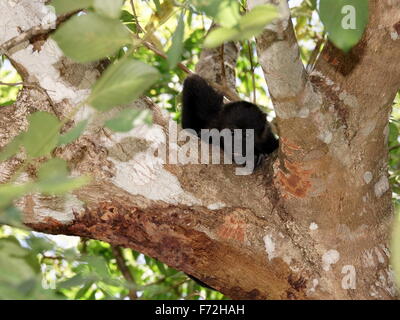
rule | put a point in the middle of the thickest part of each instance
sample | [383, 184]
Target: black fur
[203, 108]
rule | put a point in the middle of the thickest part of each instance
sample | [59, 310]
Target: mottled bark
[312, 223]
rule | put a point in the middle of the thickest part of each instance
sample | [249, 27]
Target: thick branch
[279, 56]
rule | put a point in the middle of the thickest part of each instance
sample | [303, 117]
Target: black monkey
[203, 108]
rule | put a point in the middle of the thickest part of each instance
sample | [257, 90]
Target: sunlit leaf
[221, 35]
[344, 21]
[108, 8]
[42, 135]
[251, 24]
[91, 37]
[9, 192]
[53, 178]
[53, 169]
[121, 83]
[72, 134]
[254, 22]
[11, 216]
[175, 52]
[124, 121]
[75, 281]
[7, 103]
[99, 265]
[11, 149]
[65, 6]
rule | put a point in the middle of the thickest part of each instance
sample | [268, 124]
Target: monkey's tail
[201, 104]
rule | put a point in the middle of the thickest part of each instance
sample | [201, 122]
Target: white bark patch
[269, 247]
[42, 65]
[386, 134]
[216, 206]
[326, 137]
[144, 173]
[315, 283]
[381, 186]
[330, 257]
[348, 99]
[304, 112]
[368, 127]
[280, 51]
[394, 35]
[313, 226]
[60, 208]
[368, 177]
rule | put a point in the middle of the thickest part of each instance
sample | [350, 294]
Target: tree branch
[119, 257]
[279, 56]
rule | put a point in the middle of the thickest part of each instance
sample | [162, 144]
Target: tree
[313, 223]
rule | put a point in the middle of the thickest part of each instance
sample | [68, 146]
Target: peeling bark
[312, 223]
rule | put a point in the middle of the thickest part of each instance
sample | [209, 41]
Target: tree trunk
[312, 223]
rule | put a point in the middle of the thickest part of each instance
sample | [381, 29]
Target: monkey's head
[245, 115]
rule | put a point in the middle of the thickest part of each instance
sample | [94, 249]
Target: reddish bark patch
[397, 27]
[233, 228]
[294, 180]
[288, 147]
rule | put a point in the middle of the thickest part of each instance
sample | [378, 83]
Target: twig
[252, 72]
[161, 54]
[138, 26]
[228, 93]
[34, 86]
[223, 71]
[11, 84]
[314, 55]
[394, 147]
[117, 252]
[33, 32]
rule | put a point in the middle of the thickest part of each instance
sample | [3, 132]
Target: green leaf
[7, 103]
[254, 22]
[344, 21]
[42, 135]
[84, 290]
[218, 36]
[11, 149]
[121, 83]
[53, 169]
[108, 8]
[54, 180]
[65, 6]
[73, 134]
[9, 192]
[225, 12]
[127, 119]
[75, 281]
[175, 52]
[251, 24]
[228, 13]
[91, 37]
[11, 216]
[157, 4]
[127, 17]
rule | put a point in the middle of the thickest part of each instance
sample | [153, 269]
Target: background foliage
[148, 40]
